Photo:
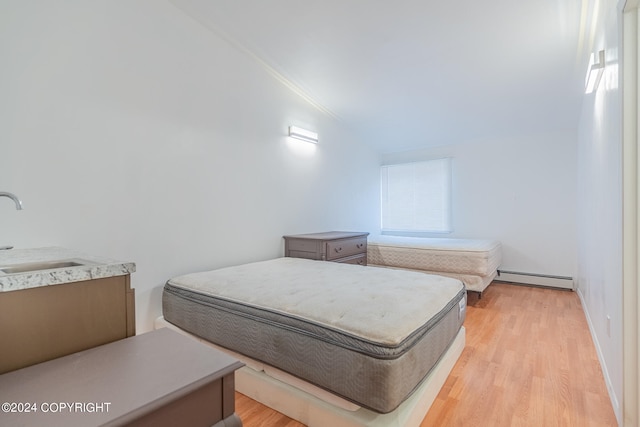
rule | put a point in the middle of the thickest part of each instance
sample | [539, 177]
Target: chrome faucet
[12, 197]
[18, 207]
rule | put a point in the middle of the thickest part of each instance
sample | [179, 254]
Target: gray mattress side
[376, 377]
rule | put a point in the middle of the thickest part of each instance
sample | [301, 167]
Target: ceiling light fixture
[594, 72]
[303, 134]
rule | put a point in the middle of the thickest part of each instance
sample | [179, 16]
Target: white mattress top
[377, 304]
[444, 244]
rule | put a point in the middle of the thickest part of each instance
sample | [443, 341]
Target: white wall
[600, 206]
[129, 131]
[520, 190]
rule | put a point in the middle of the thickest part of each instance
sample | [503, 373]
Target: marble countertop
[93, 268]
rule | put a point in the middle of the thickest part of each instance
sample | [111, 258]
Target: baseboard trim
[562, 282]
[605, 373]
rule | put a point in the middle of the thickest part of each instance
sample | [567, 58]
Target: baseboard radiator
[564, 282]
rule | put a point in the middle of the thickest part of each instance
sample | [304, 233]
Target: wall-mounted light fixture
[594, 72]
[303, 134]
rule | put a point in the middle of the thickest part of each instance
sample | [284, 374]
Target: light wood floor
[529, 361]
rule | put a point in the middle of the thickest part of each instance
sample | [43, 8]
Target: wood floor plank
[545, 371]
[255, 414]
[529, 361]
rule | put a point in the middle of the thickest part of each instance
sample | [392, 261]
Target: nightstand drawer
[356, 259]
[346, 247]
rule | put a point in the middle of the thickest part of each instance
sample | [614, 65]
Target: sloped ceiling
[414, 73]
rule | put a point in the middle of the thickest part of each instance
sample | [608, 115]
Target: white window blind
[417, 196]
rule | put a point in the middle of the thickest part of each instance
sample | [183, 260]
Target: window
[417, 196]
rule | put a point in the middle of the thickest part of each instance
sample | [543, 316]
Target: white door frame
[631, 196]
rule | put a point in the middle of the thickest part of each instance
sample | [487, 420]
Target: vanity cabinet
[337, 246]
[46, 322]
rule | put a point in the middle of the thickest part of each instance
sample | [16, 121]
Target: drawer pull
[338, 249]
[359, 245]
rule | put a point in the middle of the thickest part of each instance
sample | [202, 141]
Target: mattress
[313, 406]
[461, 256]
[369, 335]
[471, 282]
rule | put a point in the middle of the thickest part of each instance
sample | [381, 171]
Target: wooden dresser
[158, 379]
[337, 246]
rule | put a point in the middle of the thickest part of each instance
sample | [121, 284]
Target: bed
[359, 342]
[473, 261]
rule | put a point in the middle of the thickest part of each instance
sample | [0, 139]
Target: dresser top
[133, 376]
[328, 235]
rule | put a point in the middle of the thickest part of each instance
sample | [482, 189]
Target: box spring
[474, 261]
[366, 334]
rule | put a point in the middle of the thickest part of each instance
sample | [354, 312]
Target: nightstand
[160, 378]
[337, 246]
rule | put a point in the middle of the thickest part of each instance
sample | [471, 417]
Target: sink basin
[42, 265]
